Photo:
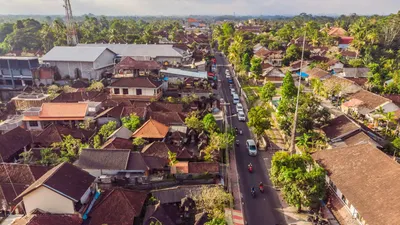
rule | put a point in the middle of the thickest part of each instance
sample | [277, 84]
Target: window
[138, 91]
[344, 199]
[33, 123]
[125, 91]
[20, 72]
[116, 91]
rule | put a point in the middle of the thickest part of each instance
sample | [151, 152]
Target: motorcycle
[261, 187]
[237, 142]
[240, 132]
[250, 168]
[253, 193]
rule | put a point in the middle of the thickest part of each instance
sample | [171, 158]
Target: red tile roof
[151, 129]
[142, 82]
[203, 167]
[54, 133]
[60, 111]
[13, 142]
[345, 40]
[129, 63]
[117, 143]
[158, 149]
[337, 32]
[49, 219]
[65, 178]
[118, 206]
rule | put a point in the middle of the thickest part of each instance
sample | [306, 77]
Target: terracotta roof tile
[203, 167]
[65, 178]
[118, 206]
[54, 110]
[371, 100]
[117, 143]
[129, 63]
[318, 73]
[151, 129]
[154, 162]
[368, 178]
[49, 219]
[143, 82]
[158, 149]
[359, 138]
[339, 127]
[13, 142]
[337, 32]
[345, 40]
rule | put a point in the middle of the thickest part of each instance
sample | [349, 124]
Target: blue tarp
[303, 74]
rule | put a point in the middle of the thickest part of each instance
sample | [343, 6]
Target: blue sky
[205, 7]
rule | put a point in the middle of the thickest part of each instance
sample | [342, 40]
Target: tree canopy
[132, 122]
[259, 119]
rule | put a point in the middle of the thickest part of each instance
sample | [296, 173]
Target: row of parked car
[236, 99]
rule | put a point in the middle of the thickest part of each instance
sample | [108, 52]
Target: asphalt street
[265, 208]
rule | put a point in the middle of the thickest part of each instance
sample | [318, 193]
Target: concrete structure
[80, 62]
[25, 101]
[139, 88]
[17, 71]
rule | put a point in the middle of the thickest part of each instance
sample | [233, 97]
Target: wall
[28, 127]
[48, 200]
[132, 91]
[106, 59]
[68, 68]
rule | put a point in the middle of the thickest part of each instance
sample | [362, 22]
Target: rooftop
[57, 111]
[65, 178]
[151, 129]
[49, 219]
[111, 159]
[339, 127]
[74, 54]
[129, 63]
[117, 143]
[13, 141]
[185, 73]
[371, 101]
[368, 178]
[143, 82]
[158, 149]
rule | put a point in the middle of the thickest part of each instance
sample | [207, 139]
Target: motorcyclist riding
[261, 187]
[253, 191]
[250, 167]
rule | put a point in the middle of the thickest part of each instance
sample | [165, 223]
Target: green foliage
[96, 86]
[172, 158]
[246, 62]
[48, 157]
[213, 200]
[26, 157]
[268, 91]
[288, 89]
[216, 221]
[259, 119]
[132, 122]
[209, 123]
[105, 131]
[293, 53]
[192, 121]
[256, 67]
[69, 147]
[139, 141]
[301, 186]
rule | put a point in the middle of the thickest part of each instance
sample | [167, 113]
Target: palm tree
[389, 118]
[172, 158]
[304, 141]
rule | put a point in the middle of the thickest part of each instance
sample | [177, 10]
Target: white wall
[132, 91]
[49, 201]
[104, 60]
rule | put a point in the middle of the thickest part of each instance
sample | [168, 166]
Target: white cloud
[208, 7]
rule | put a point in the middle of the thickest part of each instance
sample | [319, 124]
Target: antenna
[72, 37]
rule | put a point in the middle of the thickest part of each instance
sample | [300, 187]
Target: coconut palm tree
[304, 141]
[389, 118]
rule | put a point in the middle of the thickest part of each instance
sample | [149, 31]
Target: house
[159, 149]
[165, 214]
[118, 143]
[344, 42]
[44, 218]
[113, 164]
[129, 67]
[14, 179]
[121, 132]
[334, 65]
[349, 54]
[13, 143]
[66, 185]
[17, 72]
[317, 73]
[365, 103]
[117, 206]
[37, 118]
[354, 73]
[152, 130]
[80, 96]
[174, 120]
[164, 54]
[343, 86]
[25, 101]
[298, 65]
[359, 179]
[55, 133]
[337, 32]
[272, 74]
[118, 112]
[136, 88]
[10, 123]
[80, 62]
[176, 194]
[272, 57]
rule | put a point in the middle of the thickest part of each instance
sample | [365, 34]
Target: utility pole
[72, 36]
[292, 148]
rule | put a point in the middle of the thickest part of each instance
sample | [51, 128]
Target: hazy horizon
[203, 7]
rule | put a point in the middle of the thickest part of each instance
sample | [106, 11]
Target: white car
[236, 99]
[233, 91]
[227, 71]
[228, 76]
[251, 147]
[241, 116]
[239, 107]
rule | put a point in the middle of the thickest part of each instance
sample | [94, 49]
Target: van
[235, 99]
[251, 147]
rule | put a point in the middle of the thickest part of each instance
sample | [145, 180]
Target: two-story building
[38, 118]
[17, 71]
[363, 184]
[136, 88]
[80, 62]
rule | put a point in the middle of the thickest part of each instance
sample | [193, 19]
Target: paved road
[265, 208]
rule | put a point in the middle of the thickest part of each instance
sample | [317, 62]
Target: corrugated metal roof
[135, 50]
[199, 74]
[74, 54]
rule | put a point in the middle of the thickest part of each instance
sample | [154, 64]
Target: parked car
[251, 147]
[236, 99]
[233, 91]
[228, 76]
[230, 81]
[241, 116]
[227, 71]
[239, 107]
